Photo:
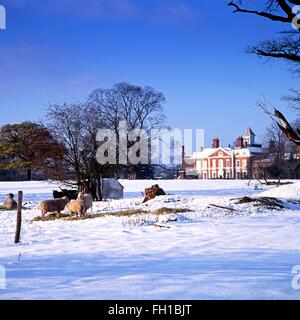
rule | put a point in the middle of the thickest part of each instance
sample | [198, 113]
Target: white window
[238, 163]
[244, 163]
[227, 163]
[221, 163]
[214, 164]
[204, 165]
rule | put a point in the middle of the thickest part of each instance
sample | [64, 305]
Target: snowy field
[209, 253]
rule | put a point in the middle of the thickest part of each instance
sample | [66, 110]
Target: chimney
[240, 142]
[183, 163]
[183, 155]
[216, 143]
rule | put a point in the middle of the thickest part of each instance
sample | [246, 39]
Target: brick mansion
[229, 162]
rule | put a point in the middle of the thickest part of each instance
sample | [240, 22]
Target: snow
[208, 253]
[290, 191]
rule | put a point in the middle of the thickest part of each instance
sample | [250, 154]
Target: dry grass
[170, 211]
[124, 213]
[267, 202]
[4, 209]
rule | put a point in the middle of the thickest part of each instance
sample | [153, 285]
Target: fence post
[19, 217]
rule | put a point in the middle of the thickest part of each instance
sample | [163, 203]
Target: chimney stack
[240, 143]
[216, 143]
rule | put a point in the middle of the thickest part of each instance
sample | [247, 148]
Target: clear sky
[193, 51]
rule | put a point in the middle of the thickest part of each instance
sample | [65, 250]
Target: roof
[113, 182]
[207, 152]
[255, 149]
[242, 152]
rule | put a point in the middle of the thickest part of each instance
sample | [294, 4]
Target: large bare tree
[75, 127]
[286, 47]
[140, 108]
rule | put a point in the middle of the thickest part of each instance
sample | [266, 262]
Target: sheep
[88, 199]
[10, 203]
[77, 207]
[57, 205]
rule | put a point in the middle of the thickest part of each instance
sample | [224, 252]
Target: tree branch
[267, 15]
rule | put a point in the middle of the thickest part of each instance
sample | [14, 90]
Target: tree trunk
[99, 187]
[29, 174]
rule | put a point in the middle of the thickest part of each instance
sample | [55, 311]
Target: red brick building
[218, 162]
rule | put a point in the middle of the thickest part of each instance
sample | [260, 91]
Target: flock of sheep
[78, 207]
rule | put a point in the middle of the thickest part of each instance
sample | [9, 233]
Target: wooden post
[19, 217]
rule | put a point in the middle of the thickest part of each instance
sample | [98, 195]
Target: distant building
[220, 162]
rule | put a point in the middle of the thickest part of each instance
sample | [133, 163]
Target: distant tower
[249, 137]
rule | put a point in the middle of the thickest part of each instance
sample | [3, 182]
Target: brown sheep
[10, 203]
[77, 207]
[57, 205]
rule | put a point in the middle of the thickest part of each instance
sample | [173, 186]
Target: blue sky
[194, 52]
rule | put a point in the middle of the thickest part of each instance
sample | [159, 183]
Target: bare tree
[276, 143]
[75, 127]
[287, 47]
[140, 108]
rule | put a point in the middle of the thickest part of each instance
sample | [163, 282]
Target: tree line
[64, 145]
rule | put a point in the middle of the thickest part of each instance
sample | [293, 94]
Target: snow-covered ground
[208, 253]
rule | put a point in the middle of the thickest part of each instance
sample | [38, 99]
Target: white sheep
[88, 199]
[57, 205]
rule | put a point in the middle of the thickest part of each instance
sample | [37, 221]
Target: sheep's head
[80, 196]
[66, 199]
